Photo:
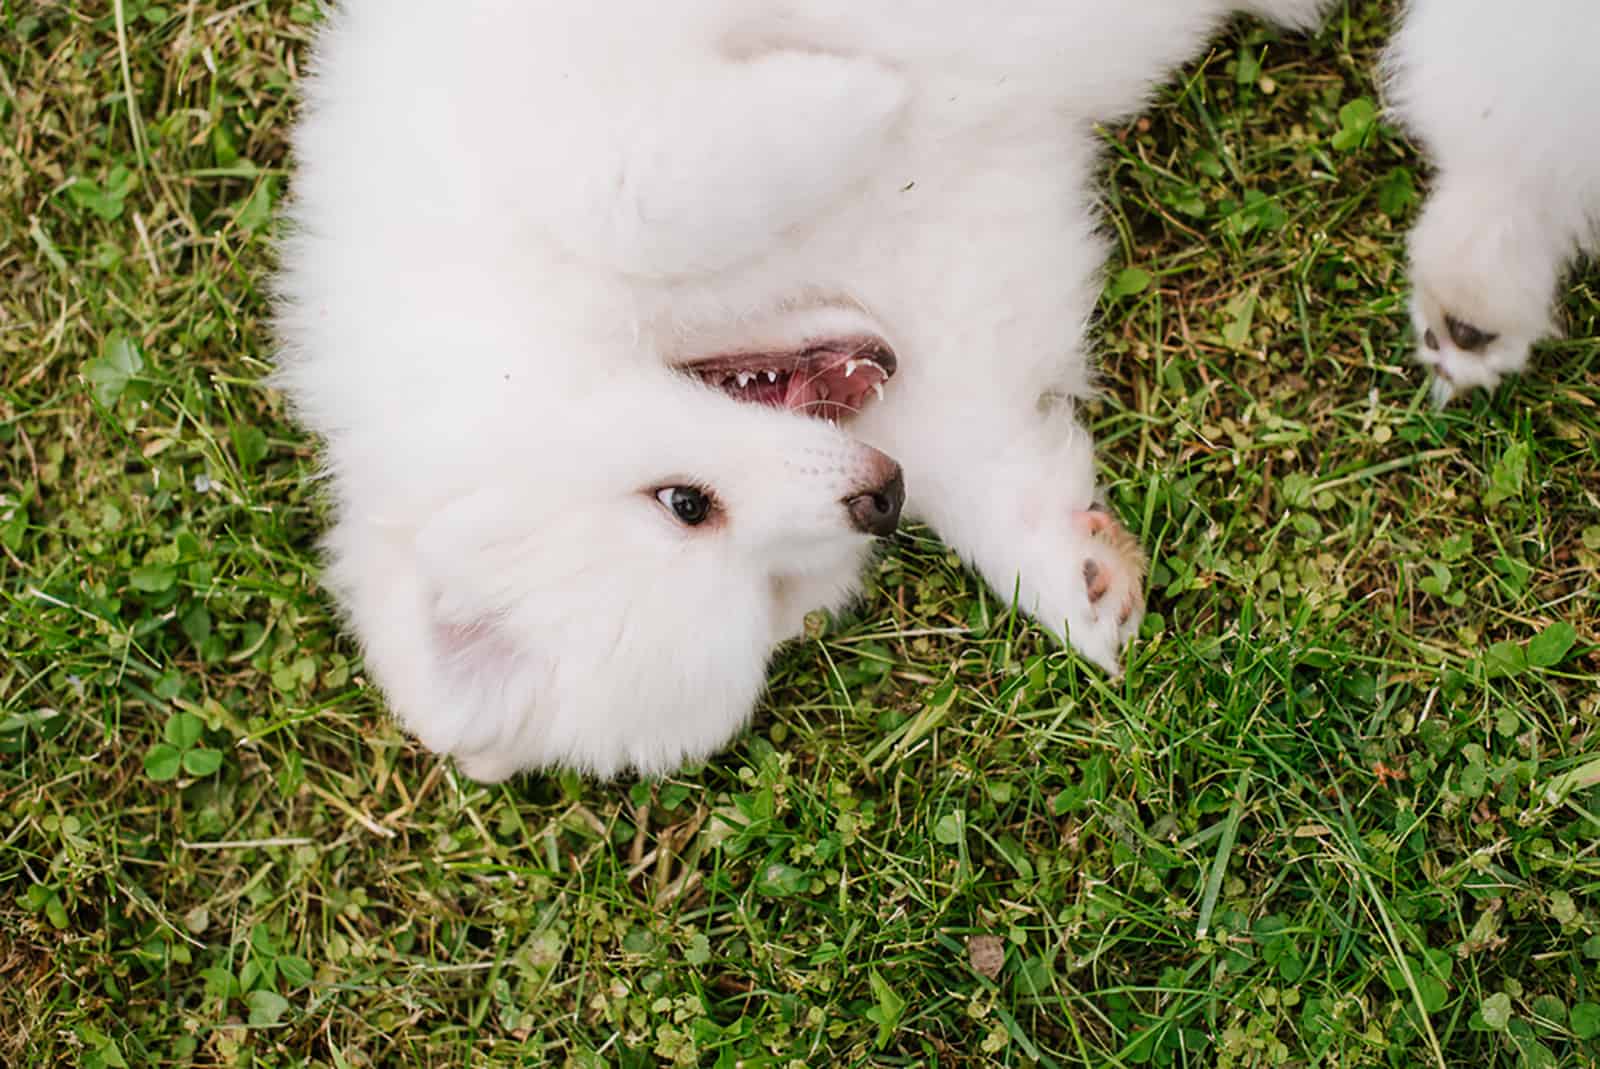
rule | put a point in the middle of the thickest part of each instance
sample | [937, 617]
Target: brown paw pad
[1096, 580]
[1120, 564]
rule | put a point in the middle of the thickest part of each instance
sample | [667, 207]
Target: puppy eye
[1468, 338]
[689, 504]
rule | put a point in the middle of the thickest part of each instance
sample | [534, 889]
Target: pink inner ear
[493, 681]
[476, 646]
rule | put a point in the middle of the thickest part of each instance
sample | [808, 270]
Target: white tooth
[877, 388]
[744, 379]
[772, 376]
[850, 367]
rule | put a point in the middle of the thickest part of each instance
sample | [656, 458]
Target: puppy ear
[493, 688]
[487, 678]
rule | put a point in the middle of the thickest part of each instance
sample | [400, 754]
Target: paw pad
[1094, 578]
[1118, 565]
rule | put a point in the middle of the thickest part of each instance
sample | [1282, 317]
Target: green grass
[1341, 810]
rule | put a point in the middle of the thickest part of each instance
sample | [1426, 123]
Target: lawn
[1341, 810]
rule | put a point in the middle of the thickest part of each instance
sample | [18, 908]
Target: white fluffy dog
[1505, 99]
[567, 278]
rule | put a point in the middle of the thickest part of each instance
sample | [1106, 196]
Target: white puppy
[1505, 99]
[566, 278]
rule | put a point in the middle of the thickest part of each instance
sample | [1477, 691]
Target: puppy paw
[1113, 569]
[1109, 593]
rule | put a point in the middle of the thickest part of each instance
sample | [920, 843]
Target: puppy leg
[1013, 493]
[1030, 525]
[980, 413]
[711, 168]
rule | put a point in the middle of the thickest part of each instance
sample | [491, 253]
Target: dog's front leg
[1013, 491]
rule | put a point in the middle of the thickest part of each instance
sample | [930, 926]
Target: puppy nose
[876, 510]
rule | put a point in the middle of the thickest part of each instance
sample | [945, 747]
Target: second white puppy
[1505, 99]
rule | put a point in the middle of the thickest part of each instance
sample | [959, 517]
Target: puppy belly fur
[519, 225]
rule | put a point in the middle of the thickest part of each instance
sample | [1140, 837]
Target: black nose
[877, 512]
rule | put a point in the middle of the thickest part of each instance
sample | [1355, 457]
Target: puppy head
[1483, 275]
[609, 599]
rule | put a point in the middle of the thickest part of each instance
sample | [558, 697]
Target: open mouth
[832, 380]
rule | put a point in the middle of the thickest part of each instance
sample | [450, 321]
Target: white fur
[1505, 99]
[512, 218]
